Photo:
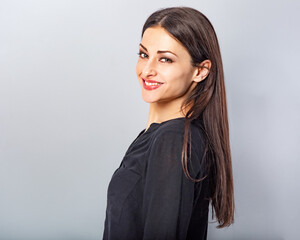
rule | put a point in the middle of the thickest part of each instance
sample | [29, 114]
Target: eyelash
[168, 60]
[140, 54]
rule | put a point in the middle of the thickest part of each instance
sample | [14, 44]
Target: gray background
[70, 105]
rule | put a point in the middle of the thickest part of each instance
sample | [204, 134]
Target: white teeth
[151, 84]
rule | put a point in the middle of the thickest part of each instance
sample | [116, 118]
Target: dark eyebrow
[167, 52]
[143, 47]
[160, 51]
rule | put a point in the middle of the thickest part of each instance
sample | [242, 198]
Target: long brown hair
[207, 103]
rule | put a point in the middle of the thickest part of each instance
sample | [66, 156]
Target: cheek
[139, 68]
[177, 78]
[178, 83]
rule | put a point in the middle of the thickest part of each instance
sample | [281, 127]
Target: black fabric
[149, 197]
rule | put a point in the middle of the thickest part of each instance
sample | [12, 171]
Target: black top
[149, 196]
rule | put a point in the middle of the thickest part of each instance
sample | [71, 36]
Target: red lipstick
[151, 84]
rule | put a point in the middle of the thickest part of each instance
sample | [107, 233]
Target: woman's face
[164, 67]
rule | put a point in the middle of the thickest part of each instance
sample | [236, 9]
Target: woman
[181, 161]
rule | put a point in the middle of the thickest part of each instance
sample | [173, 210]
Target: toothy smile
[151, 84]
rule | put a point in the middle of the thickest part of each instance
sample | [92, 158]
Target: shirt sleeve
[168, 194]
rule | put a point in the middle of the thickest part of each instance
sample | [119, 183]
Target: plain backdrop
[70, 105]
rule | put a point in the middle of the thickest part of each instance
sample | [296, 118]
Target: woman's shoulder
[175, 128]
[168, 140]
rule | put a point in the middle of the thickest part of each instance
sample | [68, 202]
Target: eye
[142, 54]
[166, 60]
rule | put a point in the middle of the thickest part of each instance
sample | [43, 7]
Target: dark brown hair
[207, 102]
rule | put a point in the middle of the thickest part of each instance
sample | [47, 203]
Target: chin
[149, 99]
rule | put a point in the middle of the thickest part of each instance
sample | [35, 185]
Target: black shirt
[149, 196]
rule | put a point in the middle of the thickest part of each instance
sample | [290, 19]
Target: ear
[202, 70]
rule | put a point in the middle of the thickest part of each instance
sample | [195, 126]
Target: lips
[151, 84]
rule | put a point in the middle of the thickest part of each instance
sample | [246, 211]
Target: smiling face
[164, 68]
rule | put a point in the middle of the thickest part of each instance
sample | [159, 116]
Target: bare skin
[165, 60]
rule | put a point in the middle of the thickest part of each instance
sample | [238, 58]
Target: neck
[166, 110]
[163, 111]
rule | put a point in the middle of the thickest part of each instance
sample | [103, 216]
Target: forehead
[157, 38]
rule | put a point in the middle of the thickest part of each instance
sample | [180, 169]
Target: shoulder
[166, 145]
[170, 131]
[176, 128]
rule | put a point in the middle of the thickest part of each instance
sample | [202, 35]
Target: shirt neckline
[155, 125]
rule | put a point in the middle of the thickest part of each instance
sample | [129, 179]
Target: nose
[149, 68]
